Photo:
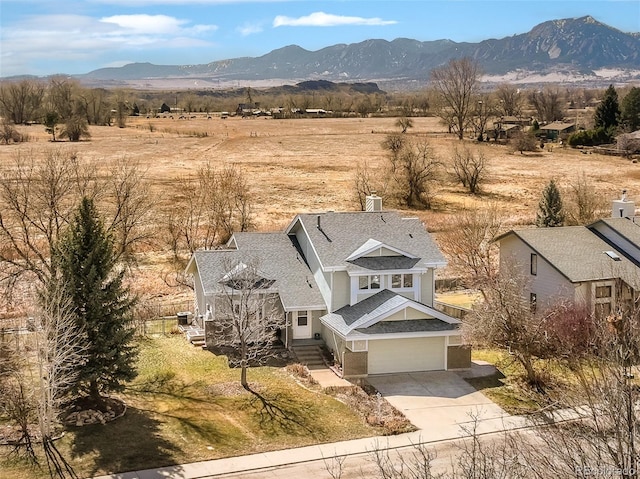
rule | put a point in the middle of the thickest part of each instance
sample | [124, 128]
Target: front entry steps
[310, 356]
[194, 335]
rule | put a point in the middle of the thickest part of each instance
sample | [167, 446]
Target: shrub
[597, 136]
[8, 134]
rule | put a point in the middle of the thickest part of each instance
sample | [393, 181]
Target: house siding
[355, 364]
[458, 357]
[341, 290]
[548, 284]
[427, 287]
[200, 298]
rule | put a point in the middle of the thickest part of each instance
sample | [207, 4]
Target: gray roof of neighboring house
[628, 229]
[558, 125]
[340, 234]
[577, 253]
[276, 258]
[354, 318]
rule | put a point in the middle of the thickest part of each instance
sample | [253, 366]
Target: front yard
[186, 405]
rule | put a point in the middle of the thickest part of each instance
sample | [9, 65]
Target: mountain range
[577, 50]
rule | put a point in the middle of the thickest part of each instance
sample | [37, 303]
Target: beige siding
[382, 252]
[406, 355]
[316, 325]
[334, 343]
[407, 313]
[548, 284]
[341, 290]
[427, 285]
[201, 300]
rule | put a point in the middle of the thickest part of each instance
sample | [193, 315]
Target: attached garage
[406, 355]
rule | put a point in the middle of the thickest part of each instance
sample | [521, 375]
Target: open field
[307, 165]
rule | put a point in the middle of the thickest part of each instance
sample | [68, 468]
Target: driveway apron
[437, 401]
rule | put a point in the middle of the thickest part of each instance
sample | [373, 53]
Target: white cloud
[69, 38]
[249, 29]
[156, 24]
[321, 19]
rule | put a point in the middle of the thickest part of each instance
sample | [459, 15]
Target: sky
[45, 37]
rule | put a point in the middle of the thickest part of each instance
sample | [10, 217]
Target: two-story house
[361, 281]
[596, 265]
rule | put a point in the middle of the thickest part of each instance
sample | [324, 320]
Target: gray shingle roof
[577, 254]
[625, 227]
[276, 257]
[408, 326]
[340, 234]
[359, 316]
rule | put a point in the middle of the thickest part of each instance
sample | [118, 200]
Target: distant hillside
[580, 47]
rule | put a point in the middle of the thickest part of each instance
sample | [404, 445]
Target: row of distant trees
[452, 92]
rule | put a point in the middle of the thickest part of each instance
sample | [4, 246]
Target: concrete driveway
[440, 403]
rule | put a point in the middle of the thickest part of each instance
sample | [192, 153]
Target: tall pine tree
[607, 113]
[550, 210]
[102, 304]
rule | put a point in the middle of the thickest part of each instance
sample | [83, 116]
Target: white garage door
[406, 355]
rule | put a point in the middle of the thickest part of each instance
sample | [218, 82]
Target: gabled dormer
[375, 265]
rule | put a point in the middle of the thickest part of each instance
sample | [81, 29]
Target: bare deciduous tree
[21, 101]
[468, 242]
[217, 203]
[548, 104]
[584, 205]
[367, 182]
[37, 198]
[245, 317]
[456, 84]
[524, 141]
[509, 321]
[413, 168]
[510, 100]
[404, 123]
[469, 168]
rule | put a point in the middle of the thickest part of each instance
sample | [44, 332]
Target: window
[401, 281]
[533, 302]
[364, 282]
[603, 291]
[534, 264]
[375, 282]
[303, 319]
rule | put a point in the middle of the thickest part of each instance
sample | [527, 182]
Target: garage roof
[368, 316]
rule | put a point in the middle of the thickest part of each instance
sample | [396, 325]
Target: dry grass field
[306, 165]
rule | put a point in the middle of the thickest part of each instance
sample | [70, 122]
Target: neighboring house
[557, 129]
[363, 282]
[596, 265]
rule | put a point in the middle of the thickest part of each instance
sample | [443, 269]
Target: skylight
[613, 255]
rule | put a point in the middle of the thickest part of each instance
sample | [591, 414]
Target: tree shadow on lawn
[132, 442]
[281, 413]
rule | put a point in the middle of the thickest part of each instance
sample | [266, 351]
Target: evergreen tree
[607, 113]
[550, 210]
[631, 109]
[102, 304]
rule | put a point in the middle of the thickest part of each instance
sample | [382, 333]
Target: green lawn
[508, 389]
[186, 405]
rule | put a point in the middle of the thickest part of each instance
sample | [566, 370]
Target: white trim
[358, 336]
[288, 230]
[371, 245]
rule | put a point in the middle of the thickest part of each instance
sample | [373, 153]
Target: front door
[301, 324]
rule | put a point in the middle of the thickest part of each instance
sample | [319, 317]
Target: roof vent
[613, 255]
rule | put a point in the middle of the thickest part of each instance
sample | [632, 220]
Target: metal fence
[157, 326]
